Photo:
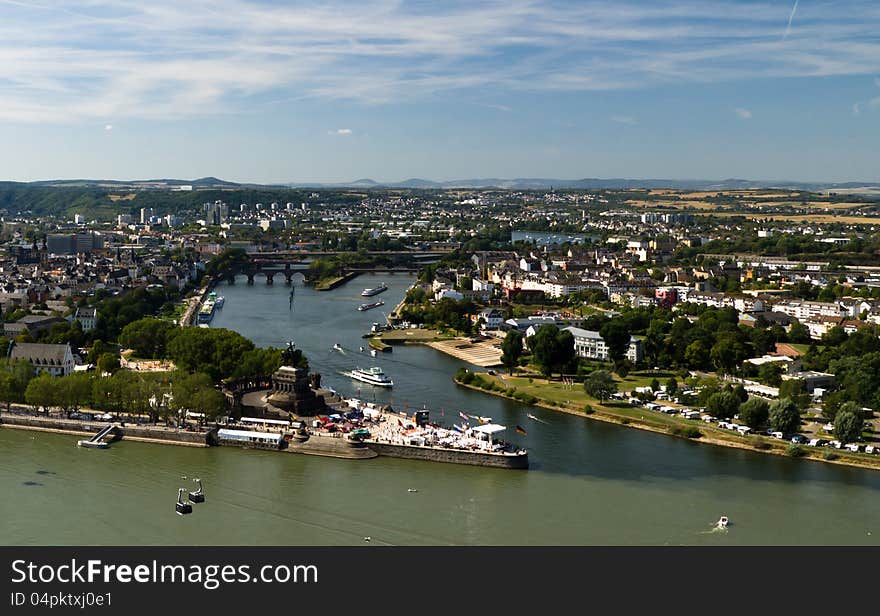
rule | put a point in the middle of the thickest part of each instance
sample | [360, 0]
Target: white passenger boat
[374, 376]
[375, 290]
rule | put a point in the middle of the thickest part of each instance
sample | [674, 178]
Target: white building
[56, 359]
[589, 344]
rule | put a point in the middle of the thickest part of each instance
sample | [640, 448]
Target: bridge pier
[250, 277]
[269, 276]
[231, 279]
[288, 278]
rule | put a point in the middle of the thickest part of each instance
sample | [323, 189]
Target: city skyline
[266, 92]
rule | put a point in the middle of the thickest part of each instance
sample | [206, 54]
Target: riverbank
[328, 284]
[129, 432]
[643, 419]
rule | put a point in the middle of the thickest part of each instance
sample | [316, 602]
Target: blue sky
[273, 91]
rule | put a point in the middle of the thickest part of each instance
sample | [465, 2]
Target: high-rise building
[146, 214]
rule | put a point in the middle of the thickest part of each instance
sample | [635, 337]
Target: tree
[7, 389]
[794, 390]
[798, 333]
[727, 354]
[42, 391]
[655, 384]
[146, 336]
[754, 412]
[545, 348]
[770, 374]
[616, 336]
[108, 363]
[847, 425]
[671, 386]
[565, 353]
[511, 350]
[600, 384]
[75, 390]
[785, 416]
[696, 355]
[723, 405]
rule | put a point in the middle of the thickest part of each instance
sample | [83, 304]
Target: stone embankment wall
[150, 434]
[448, 455]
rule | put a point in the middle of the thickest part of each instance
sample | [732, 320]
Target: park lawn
[644, 378]
[413, 335]
[575, 398]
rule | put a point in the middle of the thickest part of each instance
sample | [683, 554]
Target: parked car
[799, 439]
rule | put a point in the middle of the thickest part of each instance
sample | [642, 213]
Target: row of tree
[156, 394]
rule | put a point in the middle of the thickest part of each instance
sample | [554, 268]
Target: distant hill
[598, 184]
[475, 183]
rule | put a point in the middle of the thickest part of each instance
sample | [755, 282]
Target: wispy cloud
[743, 113]
[621, 119]
[85, 60]
[108, 127]
[856, 109]
[504, 108]
[341, 131]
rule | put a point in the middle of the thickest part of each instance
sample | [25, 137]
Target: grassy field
[572, 399]
[419, 335]
[814, 218]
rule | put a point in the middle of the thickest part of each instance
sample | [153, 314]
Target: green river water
[590, 482]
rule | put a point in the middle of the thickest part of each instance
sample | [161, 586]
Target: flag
[463, 416]
[456, 428]
[399, 423]
[521, 430]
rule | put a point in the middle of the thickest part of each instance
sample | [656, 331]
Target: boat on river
[375, 290]
[373, 376]
[363, 307]
[206, 312]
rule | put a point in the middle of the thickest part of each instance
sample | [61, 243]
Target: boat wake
[533, 418]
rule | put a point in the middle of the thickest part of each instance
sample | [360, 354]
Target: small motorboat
[181, 507]
[722, 522]
[373, 352]
[412, 490]
[337, 347]
[198, 496]
[361, 349]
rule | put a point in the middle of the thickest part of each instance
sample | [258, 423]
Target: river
[590, 482]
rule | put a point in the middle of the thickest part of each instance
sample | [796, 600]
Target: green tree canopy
[754, 412]
[600, 384]
[785, 416]
[723, 405]
[147, 337]
[848, 425]
[511, 349]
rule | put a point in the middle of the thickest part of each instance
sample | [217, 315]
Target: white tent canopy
[489, 428]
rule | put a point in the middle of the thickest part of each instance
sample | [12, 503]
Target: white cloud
[108, 127]
[341, 131]
[745, 114]
[856, 109]
[620, 119]
[75, 60]
[504, 108]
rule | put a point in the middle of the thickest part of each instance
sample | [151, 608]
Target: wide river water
[590, 482]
